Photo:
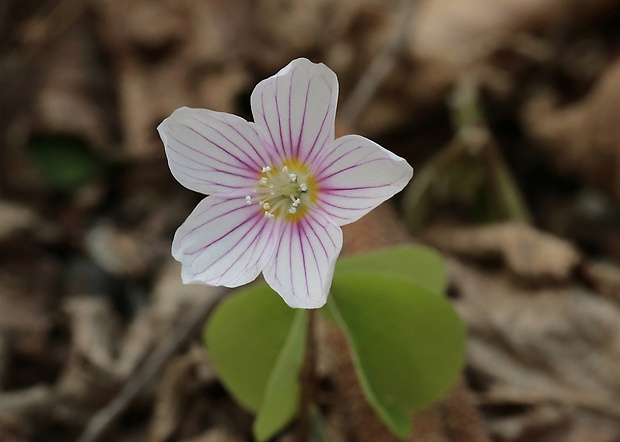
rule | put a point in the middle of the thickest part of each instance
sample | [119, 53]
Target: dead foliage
[99, 340]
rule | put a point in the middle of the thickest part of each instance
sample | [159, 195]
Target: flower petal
[224, 242]
[302, 268]
[355, 176]
[295, 109]
[213, 152]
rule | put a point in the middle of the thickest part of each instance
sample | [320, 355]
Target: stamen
[279, 191]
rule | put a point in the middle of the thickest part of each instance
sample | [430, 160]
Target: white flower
[279, 188]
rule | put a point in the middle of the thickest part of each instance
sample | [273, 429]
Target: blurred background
[508, 110]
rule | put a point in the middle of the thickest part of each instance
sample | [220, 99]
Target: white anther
[279, 191]
[248, 200]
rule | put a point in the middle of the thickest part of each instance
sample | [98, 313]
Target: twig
[379, 69]
[195, 315]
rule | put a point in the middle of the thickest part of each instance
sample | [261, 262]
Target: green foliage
[281, 399]
[406, 340]
[256, 343]
[65, 161]
[424, 265]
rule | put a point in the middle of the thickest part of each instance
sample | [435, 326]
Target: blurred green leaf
[407, 343]
[469, 174]
[505, 193]
[65, 161]
[424, 265]
[256, 343]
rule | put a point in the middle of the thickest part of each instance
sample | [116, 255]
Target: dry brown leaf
[528, 253]
[89, 377]
[543, 357]
[151, 72]
[540, 347]
[14, 429]
[183, 376]
[15, 217]
[95, 329]
[170, 298]
[460, 32]
[215, 435]
[119, 253]
[603, 277]
[28, 401]
[26, 302]
[583, 138]
[73, 92]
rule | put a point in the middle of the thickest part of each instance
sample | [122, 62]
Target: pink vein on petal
[264, 116]
[201, 180]
[290, 256]
[264, 161]
[223, 149]
[234, 166]
[234, 229]
[254, 243]
[190, 264]
[320, 162]
[212, 219]
[303, 121]
[303, 257]
[293, 148]
[320, 131]
[316, 260]
[277, 103]
[253, 160]
[196, 169]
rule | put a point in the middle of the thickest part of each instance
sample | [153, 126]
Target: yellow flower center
[286, 191]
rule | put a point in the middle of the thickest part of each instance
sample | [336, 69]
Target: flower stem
[308, 380]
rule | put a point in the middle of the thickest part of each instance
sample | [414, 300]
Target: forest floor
[509, 112]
